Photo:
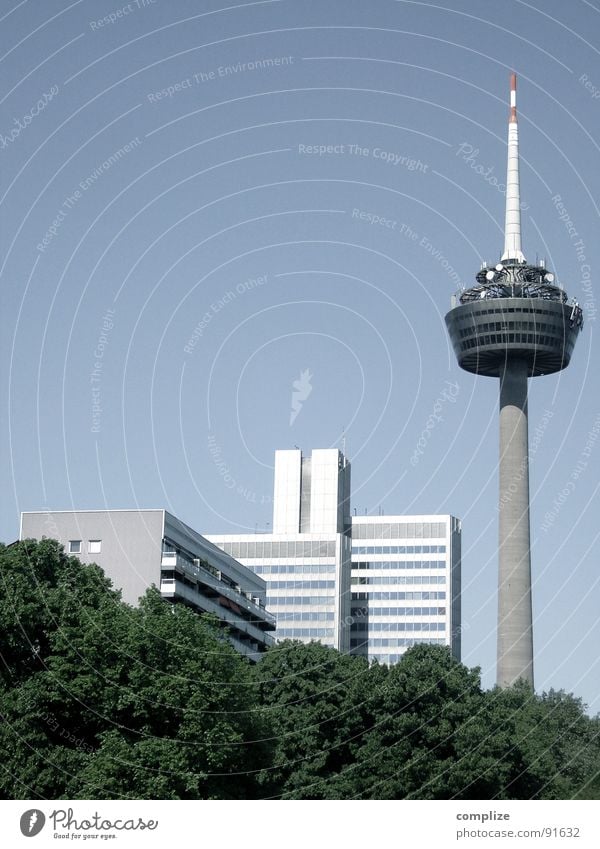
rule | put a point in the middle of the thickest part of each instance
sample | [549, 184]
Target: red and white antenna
[512, 226]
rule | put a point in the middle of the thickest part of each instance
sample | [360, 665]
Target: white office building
[370, 585]
[305, 562]
[405, 584]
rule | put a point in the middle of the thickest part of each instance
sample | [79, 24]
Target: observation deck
[514, 312]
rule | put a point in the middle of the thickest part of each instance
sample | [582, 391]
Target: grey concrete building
[140, 548]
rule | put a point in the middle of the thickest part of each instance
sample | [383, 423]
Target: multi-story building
[372, 585]
[140, 548]
[405, 584]
[305, 562]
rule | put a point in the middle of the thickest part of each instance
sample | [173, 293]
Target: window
[74, 546]
[95, 546]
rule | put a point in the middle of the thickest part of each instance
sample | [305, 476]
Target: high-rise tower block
[515, 323]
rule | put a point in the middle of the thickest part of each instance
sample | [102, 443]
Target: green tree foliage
[559, 744]
[99, 699]
[102, 700]
[422, 729]
[310, 698]
[428, 735]
[188, 723]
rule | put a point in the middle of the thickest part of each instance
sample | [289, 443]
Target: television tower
[515, 323]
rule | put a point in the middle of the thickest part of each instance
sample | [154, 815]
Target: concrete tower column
[515, 636]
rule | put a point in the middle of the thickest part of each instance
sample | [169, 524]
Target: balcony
[173, 590]
[213, 586]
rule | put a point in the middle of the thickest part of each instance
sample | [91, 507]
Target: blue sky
[201, 203]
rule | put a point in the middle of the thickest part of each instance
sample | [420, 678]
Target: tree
[422, 729]
[39, 587]
[309, 695]
[187, 723]
[102, 699]
[559, 743]
[427, 735]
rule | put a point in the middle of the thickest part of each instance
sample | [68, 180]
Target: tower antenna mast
[512, 221]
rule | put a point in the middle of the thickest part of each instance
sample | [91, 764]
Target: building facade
[305, 562]
[140, 548]
[405, 584]
[369, 585]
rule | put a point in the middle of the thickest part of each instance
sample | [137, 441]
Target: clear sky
[203, 203]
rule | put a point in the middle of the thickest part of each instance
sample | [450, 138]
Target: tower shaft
[515, 636]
